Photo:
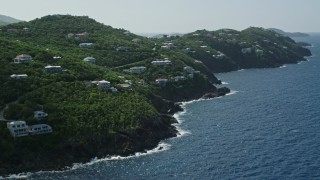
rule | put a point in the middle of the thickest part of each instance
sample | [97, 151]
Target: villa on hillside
[161, 82]
[122, 49]
[18, 128]
[85, 45]
[22, 58]
[57, 57]
[25, 29]
[188, 69]
[220, 55]
[167, 45]
[40, 129]
[19, 76]
[246, 50]
[90, 60]
[12, 30]
[113, 89]
[178, 78]
[102, 84]
[53, 69]
[161, 62]
[259, 52]
[40, 115]
[137, 41]
[136, 70]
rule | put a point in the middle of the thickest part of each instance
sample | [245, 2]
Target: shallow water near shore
[268, 128]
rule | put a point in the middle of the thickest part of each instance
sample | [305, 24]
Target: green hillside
[89, 121]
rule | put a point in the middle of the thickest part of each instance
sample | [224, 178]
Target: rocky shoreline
[142, 139]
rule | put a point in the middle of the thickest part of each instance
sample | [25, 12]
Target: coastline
[172, 125]
[169, 129]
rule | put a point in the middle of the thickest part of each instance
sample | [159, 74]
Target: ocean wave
[232, 92]
[17, 176]
[283, 66]
[224, 83]
[161, 147]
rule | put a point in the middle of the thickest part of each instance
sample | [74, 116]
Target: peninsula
[107, 91]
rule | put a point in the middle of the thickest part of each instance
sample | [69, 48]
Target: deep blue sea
[268, 128]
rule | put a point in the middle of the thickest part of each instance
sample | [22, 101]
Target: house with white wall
[53, 69]
[90, 60]
[39, 115]
[40, 129]
[19, 76]
[22, 58]
[18, 128]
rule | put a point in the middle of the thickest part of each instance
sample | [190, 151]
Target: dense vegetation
[88, 120]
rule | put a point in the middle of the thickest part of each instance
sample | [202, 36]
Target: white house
[179, 78]
[137, 41]
[18, 128]
[53, 69]
[57, 57]
[259, 52]
[85, 45]
[102, 84]
[113, 89]
[122, 48]
[22, 58]
[19, 76]
[161, 62]
[40, 115]
[40, 129]
[161, 82]
[90, 60]
[25, 29]
[137, 70]
[83, 34]
[167, 45]
[246, 50]
[220, 55]
[12, 30]
[188, 69]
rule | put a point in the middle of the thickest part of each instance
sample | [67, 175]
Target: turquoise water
[269, 128]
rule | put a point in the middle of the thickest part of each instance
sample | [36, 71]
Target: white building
[259, 52]
[19, 76]
[57, 57]
[25, 29]
[113, 89]
[188, 69]
[246, 50]
[122, 49]
[40, 129]
[179, 78]
[161, 82]
[18, 128]
[220, 55]
[161, 62]
[22, 58]
[53, 69]
[136, 70]
[90, 60]
[102, 84]
[40, 115]
[85, 45]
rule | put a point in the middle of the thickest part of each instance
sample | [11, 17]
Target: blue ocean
[267, 128]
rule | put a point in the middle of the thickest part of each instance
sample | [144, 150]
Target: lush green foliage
[79, 111]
